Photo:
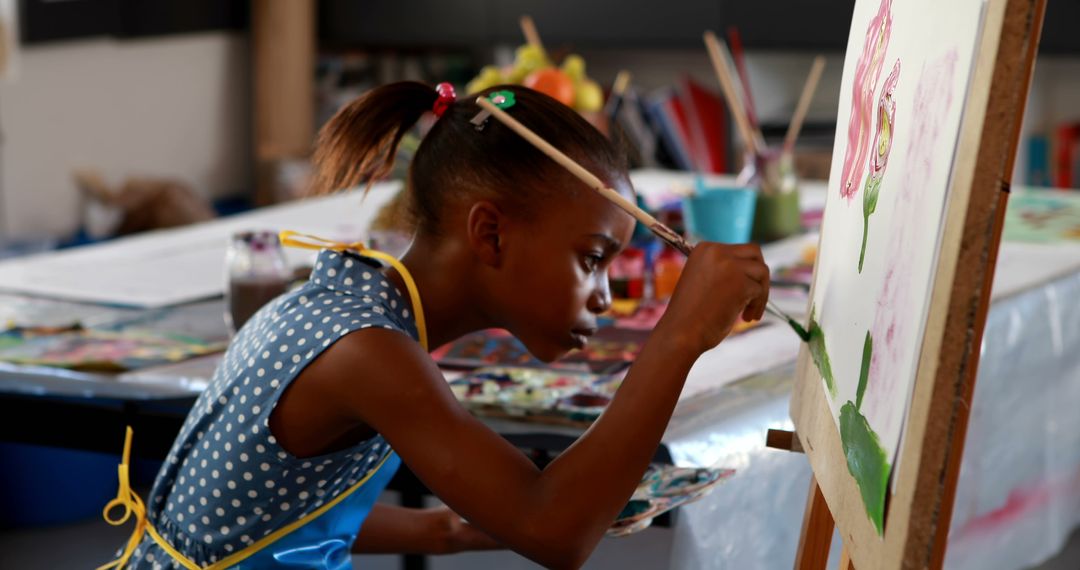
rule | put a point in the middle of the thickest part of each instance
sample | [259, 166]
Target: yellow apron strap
[132, 504]
[307, 241]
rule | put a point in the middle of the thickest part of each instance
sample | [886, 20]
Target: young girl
[328, 388]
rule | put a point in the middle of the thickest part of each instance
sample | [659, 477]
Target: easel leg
[845, 560]
[817, 531]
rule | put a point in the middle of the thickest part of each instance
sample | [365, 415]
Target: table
[1019, 490]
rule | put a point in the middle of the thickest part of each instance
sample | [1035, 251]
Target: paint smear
[866, 459]
[879, 158]
[820, 356]
[867, 72]
[896, 302]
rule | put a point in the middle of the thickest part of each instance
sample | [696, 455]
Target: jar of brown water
[256, 272]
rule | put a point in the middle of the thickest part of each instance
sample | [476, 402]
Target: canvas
[905, 76]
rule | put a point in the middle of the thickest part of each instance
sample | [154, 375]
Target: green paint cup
[777, 216]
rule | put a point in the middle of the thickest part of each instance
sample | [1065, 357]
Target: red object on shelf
[705, 124]
[1067, 139]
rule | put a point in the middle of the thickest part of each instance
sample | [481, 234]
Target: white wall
[175, 106]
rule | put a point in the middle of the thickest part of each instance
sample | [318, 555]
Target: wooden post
[817, 531]
[283, 87]
[845, 560]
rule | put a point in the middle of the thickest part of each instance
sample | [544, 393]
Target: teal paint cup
[720, 214]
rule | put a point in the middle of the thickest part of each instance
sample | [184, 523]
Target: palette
[547, 396]
[101, 351]
[609, 351]
[662, 489]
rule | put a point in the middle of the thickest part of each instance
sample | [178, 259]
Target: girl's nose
[600, 299]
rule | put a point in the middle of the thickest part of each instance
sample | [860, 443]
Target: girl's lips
[580, 337]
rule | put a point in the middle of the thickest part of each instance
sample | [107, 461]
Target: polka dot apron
[228, 495]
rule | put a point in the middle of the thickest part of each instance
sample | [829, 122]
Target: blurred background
[223, 97]
[119, 117]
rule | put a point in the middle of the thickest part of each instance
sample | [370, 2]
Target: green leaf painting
[867, 462]
[866, 459]
[864, 373]
[820, 356]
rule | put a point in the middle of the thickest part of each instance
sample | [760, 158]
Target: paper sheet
[170, 267]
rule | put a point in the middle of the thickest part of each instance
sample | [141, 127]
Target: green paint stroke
[820, 356]
[864, 374]
[866, 461]
[870, 199]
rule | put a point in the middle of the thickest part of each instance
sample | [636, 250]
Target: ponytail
[359, 143]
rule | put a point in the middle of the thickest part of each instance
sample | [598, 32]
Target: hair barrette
[501, 99]
[446, 97]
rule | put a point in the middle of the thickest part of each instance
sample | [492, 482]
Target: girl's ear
[485, 225]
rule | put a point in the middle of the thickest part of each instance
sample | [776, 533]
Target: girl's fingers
[747, 251]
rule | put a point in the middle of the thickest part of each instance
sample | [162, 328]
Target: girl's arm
[558, 515]
[390, 529]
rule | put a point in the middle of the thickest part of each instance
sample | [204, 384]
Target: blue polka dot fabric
[227, 483]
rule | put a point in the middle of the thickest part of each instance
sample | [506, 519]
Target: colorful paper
[1043, 216]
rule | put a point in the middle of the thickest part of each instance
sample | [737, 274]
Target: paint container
[256, 272]
[627, 274]
[777, 214]
[666, 272]
[722, 214]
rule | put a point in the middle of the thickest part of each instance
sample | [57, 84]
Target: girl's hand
[390, 529]
[719, 284]
[460, 536]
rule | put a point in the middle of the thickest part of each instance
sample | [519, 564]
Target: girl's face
[555, 279]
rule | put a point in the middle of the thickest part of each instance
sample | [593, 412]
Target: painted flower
[867, 72]
[879, 158]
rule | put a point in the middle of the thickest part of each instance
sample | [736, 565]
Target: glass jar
[777, 214]
[256, 272]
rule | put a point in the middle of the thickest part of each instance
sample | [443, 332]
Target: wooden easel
[919, 511]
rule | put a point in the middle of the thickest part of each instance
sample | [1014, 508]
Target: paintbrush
[735, 42]
[798, 328]
[727, 85]
[804, 103]
[532, 37]
[663, 232]
[622, 81]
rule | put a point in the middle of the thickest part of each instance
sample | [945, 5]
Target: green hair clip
[502, 99]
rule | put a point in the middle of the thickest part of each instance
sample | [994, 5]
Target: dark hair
[455, 160]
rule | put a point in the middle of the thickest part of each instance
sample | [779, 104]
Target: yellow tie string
[131, 503]
[307, 241]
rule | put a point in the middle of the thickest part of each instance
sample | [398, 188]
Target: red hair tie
[446, 97]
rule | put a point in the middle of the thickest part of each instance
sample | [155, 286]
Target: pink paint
[867, 72]
[1021, 502]
[896, 303]
[883, 138]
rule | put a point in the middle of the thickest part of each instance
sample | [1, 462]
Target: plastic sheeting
[1018, 496]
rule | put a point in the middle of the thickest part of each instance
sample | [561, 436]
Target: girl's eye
[593, 261]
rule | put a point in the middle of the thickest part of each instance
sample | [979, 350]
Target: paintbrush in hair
[663, 232]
